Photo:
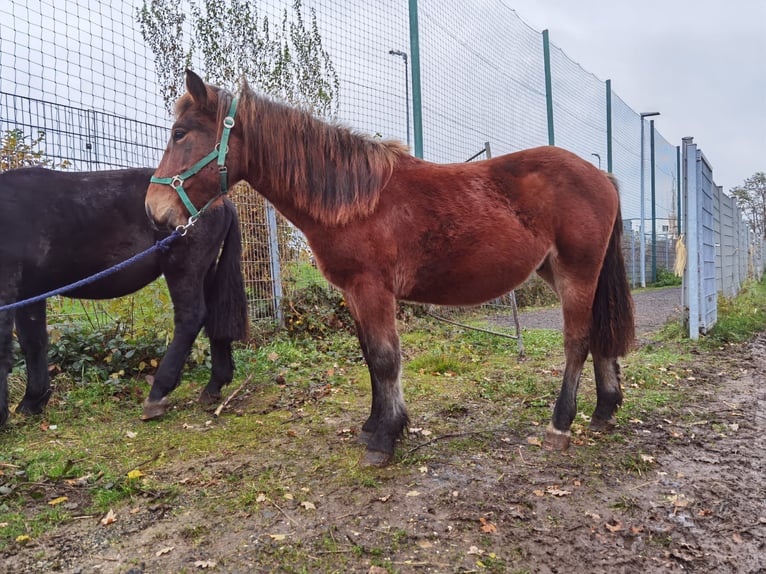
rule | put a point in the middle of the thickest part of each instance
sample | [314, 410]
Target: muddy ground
[681, 490]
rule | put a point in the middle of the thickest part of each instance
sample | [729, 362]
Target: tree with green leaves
[233, 40]
[16, 152]
[751, 198]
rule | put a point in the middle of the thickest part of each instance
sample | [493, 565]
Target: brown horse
[384, 225]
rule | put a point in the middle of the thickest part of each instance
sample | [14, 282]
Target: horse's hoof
[154, 409]
[600, 425]
[376, 458]
[208, 398]
[556, 439]
[25, 408]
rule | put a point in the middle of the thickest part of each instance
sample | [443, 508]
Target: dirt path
[678, 491]
[653, 308]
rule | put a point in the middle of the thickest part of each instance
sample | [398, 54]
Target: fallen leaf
[261, 497]
[384, 498]
[131, 434]
[556, 491]
[647, 458]
[165, 550]
[205, 564]
[593, 516]
[44, 426]
[487, 526]
[308, 505]
[475, 550]
[413, 493]
[110, 518]
[272, 356]
[23, 539]
[135, 474]
[636, 530]
[58, 500]
[538, 492]
[4, 524]
[288, 496]
[737, 538]
[278, 537]
[423, 469]
[533, 440]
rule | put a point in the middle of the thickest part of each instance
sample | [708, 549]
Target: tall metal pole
[654, 202]
[609, 163]
[642, 223]
[406, 88]
[417, 104]
[548, 86]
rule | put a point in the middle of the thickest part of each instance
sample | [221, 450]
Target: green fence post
[417, 100]
[609, 126]
[654, 202]
[548, 88]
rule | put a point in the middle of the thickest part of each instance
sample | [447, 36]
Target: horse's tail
[613, 330]
[227, 317]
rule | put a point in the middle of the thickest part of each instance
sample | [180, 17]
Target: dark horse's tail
[225, 293]
[613, 330]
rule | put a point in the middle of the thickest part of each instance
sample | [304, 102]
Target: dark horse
[57, 228]
[384, 225]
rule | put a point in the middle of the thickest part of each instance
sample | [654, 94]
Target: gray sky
[701, 63]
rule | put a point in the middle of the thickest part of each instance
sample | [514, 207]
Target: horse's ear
[196, 88]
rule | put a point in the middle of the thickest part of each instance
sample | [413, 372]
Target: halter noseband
[219, 153]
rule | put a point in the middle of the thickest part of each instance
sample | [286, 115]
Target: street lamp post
[403, 55]
[642, 223]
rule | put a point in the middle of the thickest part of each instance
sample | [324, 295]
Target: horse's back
[59, 227]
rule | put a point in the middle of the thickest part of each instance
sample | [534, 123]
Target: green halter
[219, 153]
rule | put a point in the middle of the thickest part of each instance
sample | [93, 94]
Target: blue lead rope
[159, 245]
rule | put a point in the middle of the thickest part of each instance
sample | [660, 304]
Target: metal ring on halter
[183, 229]
[218, 148]
[228, 122]
[176, 182]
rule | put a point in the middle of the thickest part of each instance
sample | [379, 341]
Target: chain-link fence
[82, 72]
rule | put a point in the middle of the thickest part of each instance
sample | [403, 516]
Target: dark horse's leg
[6, 360]
[188, 315]
[374, 311]
[33, 339]
[221, 373]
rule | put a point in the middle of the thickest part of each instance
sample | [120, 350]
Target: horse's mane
[327, 171]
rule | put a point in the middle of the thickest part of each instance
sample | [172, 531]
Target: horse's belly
[469, 283]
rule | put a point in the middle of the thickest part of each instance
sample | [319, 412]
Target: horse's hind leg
[609, 393]
[374, 311]
[6, 360]
[33, 339]
[557, 434]
[221, 372]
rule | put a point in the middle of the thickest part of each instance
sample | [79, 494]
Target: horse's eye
[178, 135]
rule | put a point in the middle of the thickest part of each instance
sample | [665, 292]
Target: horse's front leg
[374, 311]
[557, 434]
[33, 339]
[188, 315]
